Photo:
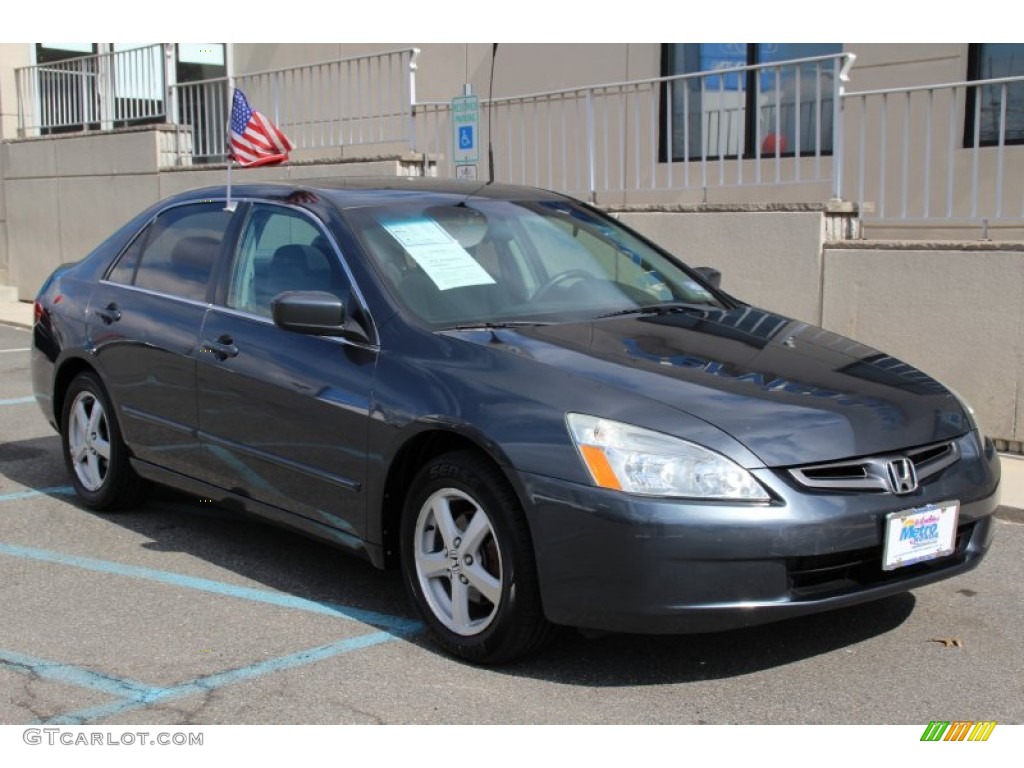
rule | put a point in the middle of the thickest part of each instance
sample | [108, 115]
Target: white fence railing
[737, 127]
[937, 152]
[99, 92]
[358, 101]
[363, 100]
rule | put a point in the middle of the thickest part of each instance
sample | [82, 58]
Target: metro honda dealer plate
[924, 533]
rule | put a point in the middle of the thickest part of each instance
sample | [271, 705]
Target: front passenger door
[283, 414]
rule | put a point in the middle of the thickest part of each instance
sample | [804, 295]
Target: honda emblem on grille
[901, 475]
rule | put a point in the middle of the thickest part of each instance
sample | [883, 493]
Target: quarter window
[176, 253]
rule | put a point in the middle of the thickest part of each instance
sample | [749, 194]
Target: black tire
[89, 428]
[479, 597]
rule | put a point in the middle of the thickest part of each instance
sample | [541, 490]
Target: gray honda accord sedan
[540, 416]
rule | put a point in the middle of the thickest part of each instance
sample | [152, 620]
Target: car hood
[792, 393]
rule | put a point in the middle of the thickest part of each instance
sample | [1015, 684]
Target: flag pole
[230, 205]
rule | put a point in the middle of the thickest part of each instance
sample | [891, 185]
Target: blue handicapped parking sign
[466, 137]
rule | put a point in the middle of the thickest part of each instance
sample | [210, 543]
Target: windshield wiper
[491, 326]
[659, 309]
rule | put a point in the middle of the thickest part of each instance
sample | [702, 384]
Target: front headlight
[637, 460]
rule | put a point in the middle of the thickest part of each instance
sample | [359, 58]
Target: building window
[987, 104]
[776, 110]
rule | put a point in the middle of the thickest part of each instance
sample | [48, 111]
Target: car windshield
[494, 262]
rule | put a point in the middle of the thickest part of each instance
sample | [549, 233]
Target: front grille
[871, 473]
[824, 575]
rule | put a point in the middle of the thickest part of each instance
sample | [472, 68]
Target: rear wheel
[95, 454]
[468, 561]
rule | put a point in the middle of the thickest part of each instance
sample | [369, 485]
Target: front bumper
[611, 561]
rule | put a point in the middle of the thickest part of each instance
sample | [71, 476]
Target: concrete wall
[956, 311]
[12, 55]
[772, 259]
[65, 195]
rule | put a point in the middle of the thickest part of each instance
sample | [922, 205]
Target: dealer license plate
[915, 535]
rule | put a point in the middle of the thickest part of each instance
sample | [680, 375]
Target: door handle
[222, 348]
[109, 314]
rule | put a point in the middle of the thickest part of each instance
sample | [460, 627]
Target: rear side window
[176, 253]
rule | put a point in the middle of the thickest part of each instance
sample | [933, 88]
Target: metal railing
[776, 123]
[937, 152]
[99, 92]
[362, 100]
[925, 153]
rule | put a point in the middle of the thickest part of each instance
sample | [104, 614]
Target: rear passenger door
[144, 319]
[283, 414]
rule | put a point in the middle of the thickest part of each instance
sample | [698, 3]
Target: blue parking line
[61, 490]
[78, 676]
[221, 679]
[387, 621]
[18, 400]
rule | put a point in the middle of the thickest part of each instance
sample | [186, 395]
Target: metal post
[590, 146]
[20, 93]
[839, 76]
[170, 103]
[105, 93]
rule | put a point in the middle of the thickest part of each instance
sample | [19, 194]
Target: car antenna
[490, 108]
[490, 132]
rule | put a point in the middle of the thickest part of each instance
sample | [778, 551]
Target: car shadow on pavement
[630, 660]
[301, 567]
[34, 464]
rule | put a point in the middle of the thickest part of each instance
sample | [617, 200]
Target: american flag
[253, 138]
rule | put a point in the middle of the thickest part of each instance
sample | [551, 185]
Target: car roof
[360, 192]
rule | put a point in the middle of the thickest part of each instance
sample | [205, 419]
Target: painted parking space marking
[18, 400]
[222, 679]
[81, 677]
[131, 694]
[60, 490]
[19, 349]
[384, 620]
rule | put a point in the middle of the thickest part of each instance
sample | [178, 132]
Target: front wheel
[95, 454]
[468, 561]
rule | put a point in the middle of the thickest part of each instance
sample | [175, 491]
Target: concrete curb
[17, 314]
[1010, 514]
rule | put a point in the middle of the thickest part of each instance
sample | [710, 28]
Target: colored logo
[920, 530]
[958, 730]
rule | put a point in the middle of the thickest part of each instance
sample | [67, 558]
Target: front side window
[783, 110]
[282, 250]
[995, 113]
[176, 253]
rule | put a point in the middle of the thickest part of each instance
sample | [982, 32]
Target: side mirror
[710, 275]
[316, 313]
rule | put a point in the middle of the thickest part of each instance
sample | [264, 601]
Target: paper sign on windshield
[446, 262]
